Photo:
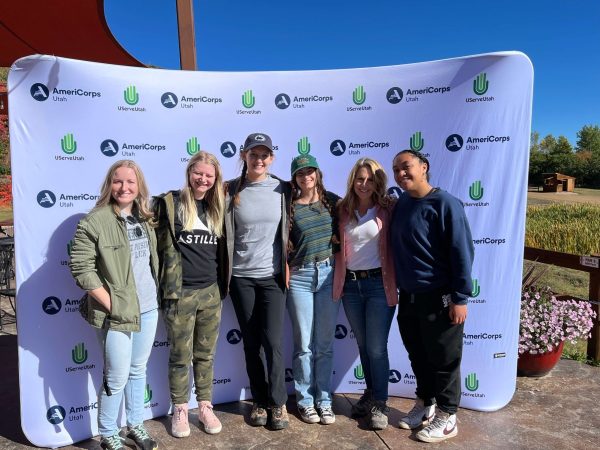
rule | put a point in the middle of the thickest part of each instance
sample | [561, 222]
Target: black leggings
[259, 305]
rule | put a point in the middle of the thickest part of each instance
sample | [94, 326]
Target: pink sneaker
[207, 417]
[179, 422]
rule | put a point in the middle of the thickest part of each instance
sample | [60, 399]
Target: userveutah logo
[481, 85]
[248, 102]
[359, 97]
[131, 97]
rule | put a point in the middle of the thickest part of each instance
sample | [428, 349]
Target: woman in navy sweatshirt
[433, 254]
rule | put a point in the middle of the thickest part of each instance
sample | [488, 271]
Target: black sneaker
[139, 437]
[114, 442]
[363, 405]
[379, 418]
[279, 417]
[258, 416]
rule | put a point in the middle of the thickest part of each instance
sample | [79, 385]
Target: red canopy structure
[68, 28]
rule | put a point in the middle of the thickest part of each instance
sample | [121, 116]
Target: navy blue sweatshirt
[432, 245]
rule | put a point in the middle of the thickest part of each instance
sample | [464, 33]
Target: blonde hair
[215, 197]
[350, 201]
[140, 204]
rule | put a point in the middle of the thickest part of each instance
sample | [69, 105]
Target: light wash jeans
[313, 314]
[370, 318]
[126, 354]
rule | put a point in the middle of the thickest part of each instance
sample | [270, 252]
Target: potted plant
[546, 323]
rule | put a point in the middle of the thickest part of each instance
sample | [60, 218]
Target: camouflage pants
[192, 327]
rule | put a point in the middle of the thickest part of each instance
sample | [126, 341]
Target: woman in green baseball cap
[313, 312]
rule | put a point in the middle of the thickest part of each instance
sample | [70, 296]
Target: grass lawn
[6, 214]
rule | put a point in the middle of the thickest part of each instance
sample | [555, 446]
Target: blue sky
[562, 38]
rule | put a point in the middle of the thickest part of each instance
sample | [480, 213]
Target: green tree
[588, 138]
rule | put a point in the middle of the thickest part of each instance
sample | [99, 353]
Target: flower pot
[529, 365]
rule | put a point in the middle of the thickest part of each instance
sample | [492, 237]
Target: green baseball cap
[302, 161]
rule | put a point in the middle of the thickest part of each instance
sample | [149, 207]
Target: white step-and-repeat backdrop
[70, 120]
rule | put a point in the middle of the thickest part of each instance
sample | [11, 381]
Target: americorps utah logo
[394, 191]
[481, 85]
[289, 375]
[170, 100]
[108, 147]
[56, 414]
[248, 102]
[337, 147]
[355, 148]
[414, 94]
[394, 95]
[359, 97]
[454, 142]
[234, 336]
[41, 93]
[395, 376]
[47, 199]
[131, 97]
[228, 149]
[284, 101]
[52, 305]
[340, 331]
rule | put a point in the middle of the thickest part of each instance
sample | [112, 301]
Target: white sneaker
[442, 427]
[417, 416]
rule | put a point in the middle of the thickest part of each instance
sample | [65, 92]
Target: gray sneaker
[114, 442]
[379, 418]
[417, 416]
[363, 405]
[308, 414]
[326, 414]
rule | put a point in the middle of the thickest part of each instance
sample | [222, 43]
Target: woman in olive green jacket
[113, 258]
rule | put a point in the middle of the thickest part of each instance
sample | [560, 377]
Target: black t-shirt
[198, 252]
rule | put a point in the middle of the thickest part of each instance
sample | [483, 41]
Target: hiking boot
[308, 414]
[326, 414]
[139, 436]
[279, 417]
[180, 426]
[113, 442]
[258, 416]
[417, 416]
[442, 427]
[363, 405]
[206, 416]
[379, 418]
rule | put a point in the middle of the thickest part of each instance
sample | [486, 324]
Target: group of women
[271, 245]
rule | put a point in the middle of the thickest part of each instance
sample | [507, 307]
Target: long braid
[236, 196]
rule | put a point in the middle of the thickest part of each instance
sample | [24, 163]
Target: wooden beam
[187, 40]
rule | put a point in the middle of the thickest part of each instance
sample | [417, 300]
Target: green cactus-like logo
[471, 382]
[303, 146]
[476, 190]
[192, 146]
[417, 142]
[481, 84]
[248, 99]
[131, 96]
[147, 394]
[79, 354]
[476, 288]
[359, 373]
[68, 144]
[359, 95]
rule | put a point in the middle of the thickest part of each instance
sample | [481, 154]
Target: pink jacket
[387, 262]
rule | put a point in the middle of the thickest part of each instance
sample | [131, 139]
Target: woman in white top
[364, 278]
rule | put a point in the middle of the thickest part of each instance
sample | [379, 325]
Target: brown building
[557, 182]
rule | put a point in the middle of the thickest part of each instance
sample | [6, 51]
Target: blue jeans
[313, 314]
[126, 354]
[370, 318]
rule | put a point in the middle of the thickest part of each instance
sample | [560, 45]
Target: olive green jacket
[101, 256]
[169, 268]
